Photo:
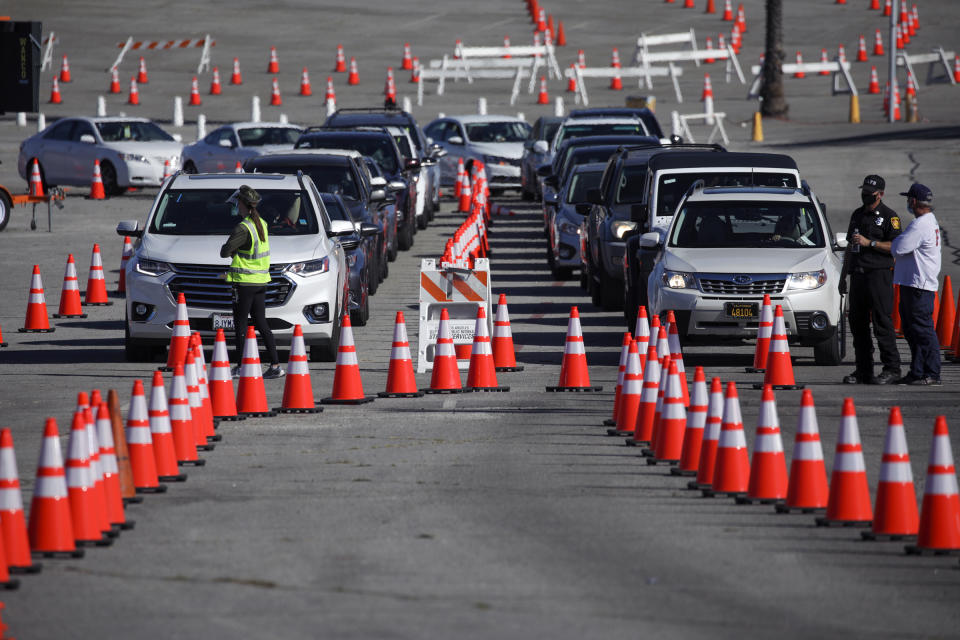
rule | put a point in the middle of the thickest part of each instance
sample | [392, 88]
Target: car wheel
[629, 307]
[393, 248]
[430, 210]
[359, 317]
[422, 221]
[373, 283]
[831, 351]
[405, 238]
[135, 350]
[561, 273]
[611, 294]
[6, 208]
[189, 167]
[327, 352]
[593, 288]
[108, 174]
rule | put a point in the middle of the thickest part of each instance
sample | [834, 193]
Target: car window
[205, 212]
[404, 143]
[213, 137]
[335, 209]
[672, 186]
[549, 130]
[127, 131]
[746, 225]
[584, 155]
[579, 183]
[61, 131]
[437, 131]
[599, 129]
[334, 179]
[380, 148]
[630, 187]
[497, 131]
[260, 136]
[227, 134]
[82, 128]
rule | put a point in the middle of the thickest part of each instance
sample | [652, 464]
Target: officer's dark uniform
[871, 292]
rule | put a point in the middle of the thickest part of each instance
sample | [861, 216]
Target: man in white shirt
[917, 267]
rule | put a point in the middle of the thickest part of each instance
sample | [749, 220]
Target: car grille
[204, 286]
[723, 284]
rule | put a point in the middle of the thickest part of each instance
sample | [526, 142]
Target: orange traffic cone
[114, 81]
[140, 444]
[307, 90]
[779, 371]
[807, 489]
[446, 375]
[574, 375]
[36, 320]
[824, 60]
[390, 87]
[956, 69]
[641, 332]
[70, 306]
[676, 354]
[2, 343]
[142, 77]
[707, 96]
[458, 182]
[14, 526]
[195, 100]
[275, 99]
[340, 64]
[87, 509]
[274, 65]
[673, 421]
[581, 59]
[727, 11]
[572, 81]
[768, 467]
[799, 74]
[939, 530]
[125, 256]
[128, 491]
[407, 62]
[731, 473]
[621, 369]
[161, 433]
[710, 7]
[662, 385]
[180, 339]
[504, 356]
[96, 469]
[647, 410]
[466, 195]
[543, 97]
[711, 437]
[96, 185]
[936, 308]
[561, 34]
[200, 365]
[330, 93]
[112, 494]
[64, 70]
[631, 392]
[216, 88]
[202, 422]
[764, 331]
[946, 315]
[895, 511]
[222, 395]
[236, 77]
[347, 385]
[401, 382]
[133, 97]
[297, 390]
[415, 73]
[354, 77]
[878, 44]
[251, 394]
[482, 376]
[55, 97]
[36, 181]
[50, 530]
[696, 421]
[181, 420]
[861, 49]
[849, 501]
[874, 87]
[96, 294]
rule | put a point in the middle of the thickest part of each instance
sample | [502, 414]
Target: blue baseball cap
[920, 193]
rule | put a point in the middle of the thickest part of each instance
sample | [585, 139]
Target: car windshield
[673, 186]
[584, 155]
[260, 136]
[334, 208]
[205, 212]
[630, 187]
[132, 131]
[747, 225]
[497, 131]
[580, 182]
[380, 148]
[600, 129]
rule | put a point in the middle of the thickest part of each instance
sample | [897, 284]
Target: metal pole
[892, 73]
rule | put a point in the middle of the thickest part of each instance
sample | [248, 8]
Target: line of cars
[694, 229]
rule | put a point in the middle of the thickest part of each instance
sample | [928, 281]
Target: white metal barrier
[48, 43]
[716, 119]
[644, 42]
[671, 71]
[467, 57]
[673, 57]
[839, 70]
[150, 45]
[935, 58]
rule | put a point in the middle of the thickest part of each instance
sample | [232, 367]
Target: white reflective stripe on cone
[732, 439]
[574, 347]
[849, 462]
[347, 358]
[768, 443]
[808, 450]
[941, 454]
[400, 352]
[10, 500]
[940, 484]
[896, 472]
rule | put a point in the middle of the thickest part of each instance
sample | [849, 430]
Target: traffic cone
[354, 77]
[861, 49]
[939, 530]
[550, 29]
[896, 101]
[96, 185]
[663, 341]
[114, 81]
[689, 4]
[915, 17]
[911, 86]
[407, 62]
[807, 489]
[340, 64]
[180, 339]
[581, 59]
[707, 96]
[727, 11]
[36, 320]
[182, 424]
[936, 308]
[662, 385]
[646, 412]
[206, 422]
[946, 315]
[36, 182]
[96, 469]
[330, 94]
[481, 376]
[64, 70]
[561, 34]
[541, 20]
[390, 87]
[140, 444]
[710, 7]
[878, 44]
[222, 395]
[741, 19]
[631, 393]
[415, 72]
[167, 172]
[50, 529]
[779, 371]
[401, 382]
[466, 195]
[142, 72]
[895, 512]
[696, 421]
[824, 60]
[236, 77]
[676, 354]
[574, 375]
[709, 47]
[849, 501]
[900, 39]
[875, 5]
[799, 74]
[96, 294]
[768, 467]
[216, 88]
[128, 491]
[673, 421]
[55, 97]
[731, 473]
[616, 82]
[86, 506]
[113, 497]
[504, 357]
[161, 433]
[347, 385]
[275, 99]
[274, 65]
[956, 69]
[711, 436]
[446, 375]
[251, 394]
[12, 521]
[307, 90]
[841, 53]
[874, 87]
[572, 80]
[297, 390]
[542, 96]
[954, 338]
[2, 343]
[641, 332]
[887, 8]
[615, 58]
[736, 38]
[764, 332]
[133, 97]
[621, 370]
[70, 306]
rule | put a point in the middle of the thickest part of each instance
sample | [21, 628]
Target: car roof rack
[368, 110]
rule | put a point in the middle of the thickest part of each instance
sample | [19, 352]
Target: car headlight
[807, 280]
[679, 280]
[569, 227]
[134, 157]
[309, 268]
[152, 267]
[621, 228]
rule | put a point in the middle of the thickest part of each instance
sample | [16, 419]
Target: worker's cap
[246, 193]
[873, 183]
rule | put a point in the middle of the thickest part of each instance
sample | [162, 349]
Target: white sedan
[221, 149]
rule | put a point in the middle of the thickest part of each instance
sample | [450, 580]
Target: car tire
[136, 350]
[6, 210]
[831, 351]
[630, 305]
[327, 352]
[611, 294]
[430, 210]
[561, 273]
[189, 167]
[422, 221]
[108, 173]
[359, 317]
[373, 283]
[393, 248]
[405, 238]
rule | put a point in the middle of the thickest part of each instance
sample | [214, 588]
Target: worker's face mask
[869, 198]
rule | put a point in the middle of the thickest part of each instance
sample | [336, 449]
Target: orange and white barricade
[459, 289]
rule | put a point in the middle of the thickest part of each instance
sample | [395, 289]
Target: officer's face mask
[868, 198]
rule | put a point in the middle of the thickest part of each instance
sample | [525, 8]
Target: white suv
[178, 251]
[727, 247]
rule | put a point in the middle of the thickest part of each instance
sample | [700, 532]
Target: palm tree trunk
[771, 93]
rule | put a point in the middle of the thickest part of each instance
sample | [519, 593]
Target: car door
[54, 152]
[216, 157]
[81, 153]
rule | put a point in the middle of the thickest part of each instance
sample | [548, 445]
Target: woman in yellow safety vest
[249, 272]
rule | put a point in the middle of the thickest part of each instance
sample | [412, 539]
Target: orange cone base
[411, 394]
[68, 315]
[10, 584]
[36, 567]
[102, 541]
[914, 550]
[442, 390]
[76, 553]
[653, 460]
[574, 389]
[749, 500]
[870, 535]
[362, 400]
[298, 409]
[779, 387]
[827, 522]
[754, 370]
[193, 463]
[500, 369]
[25, 330]
[487, 389]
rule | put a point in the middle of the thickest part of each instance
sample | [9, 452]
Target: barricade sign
[460, 291]
[161, 45]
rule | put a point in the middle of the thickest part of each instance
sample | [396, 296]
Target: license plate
[742, 310]
[222, 322]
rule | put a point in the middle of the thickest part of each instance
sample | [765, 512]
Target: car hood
[512, 150]
[206, 249]
[159, 148]
[773, 260]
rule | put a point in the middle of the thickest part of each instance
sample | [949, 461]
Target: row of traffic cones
[37, 318]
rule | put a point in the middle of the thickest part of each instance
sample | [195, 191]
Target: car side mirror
[88, 138]
[367, 229]
[378, 195]
[541, 146]
[378, 182]
[583, 208]
[675, 139]
[594, 196]
[551, 198]
[544, 170]
[639, 213]
[129, 228]
[650, 240]
[341, 228]
[840, 241]
[436, 151]
[551, 181]
[412, 163]
[395, 186]
[455, 140]
[226, 143]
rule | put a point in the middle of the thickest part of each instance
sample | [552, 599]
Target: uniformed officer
[917, 251]
[870, 265]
